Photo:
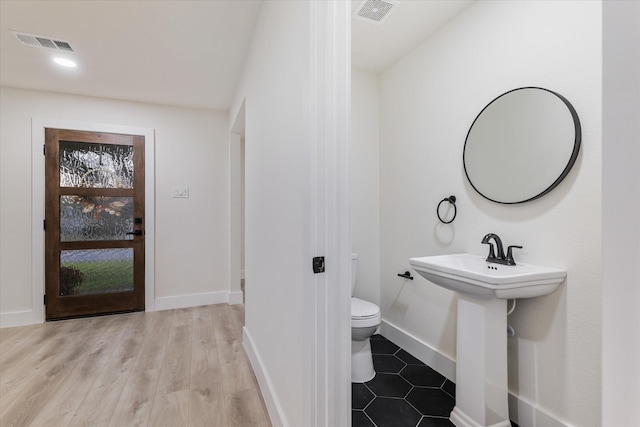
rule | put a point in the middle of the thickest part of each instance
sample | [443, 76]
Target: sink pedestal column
[481, 365]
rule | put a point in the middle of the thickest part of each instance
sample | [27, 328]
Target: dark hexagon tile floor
[422, 376]
[404, 393]
[392, 412]
[361, 396]
[388, 364]
[389, 385]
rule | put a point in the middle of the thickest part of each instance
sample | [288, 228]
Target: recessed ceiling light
[64, 62]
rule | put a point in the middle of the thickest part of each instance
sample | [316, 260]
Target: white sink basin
[481, 353]
[473, 275]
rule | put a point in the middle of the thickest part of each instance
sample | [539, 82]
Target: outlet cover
[180, 192]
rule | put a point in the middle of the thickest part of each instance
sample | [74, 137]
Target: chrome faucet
[500, 258]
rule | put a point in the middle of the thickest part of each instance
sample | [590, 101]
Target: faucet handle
[510, 260]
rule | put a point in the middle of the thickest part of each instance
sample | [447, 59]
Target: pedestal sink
[481, 362]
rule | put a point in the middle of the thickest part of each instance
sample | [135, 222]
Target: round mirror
[522, 145]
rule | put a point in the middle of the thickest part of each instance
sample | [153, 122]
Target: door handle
[135, 233]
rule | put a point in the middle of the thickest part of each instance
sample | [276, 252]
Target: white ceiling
[374, 47]
[185, 53]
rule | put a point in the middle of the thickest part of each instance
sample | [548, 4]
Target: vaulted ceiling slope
[375, 47]
[186, 53]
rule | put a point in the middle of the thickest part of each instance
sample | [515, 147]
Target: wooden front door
[94, 223]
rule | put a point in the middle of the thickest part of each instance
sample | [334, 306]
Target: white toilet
[365, 319]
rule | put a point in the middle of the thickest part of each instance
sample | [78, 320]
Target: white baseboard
[20, 318]
[527, 415]
[30, 317]
[522, 412]
[191, 300]
[419, 349]
[236, 297]
[276, 414]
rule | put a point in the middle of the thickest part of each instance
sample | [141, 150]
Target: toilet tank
[354, 271]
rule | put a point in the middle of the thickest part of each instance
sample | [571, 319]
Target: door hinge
[44, 299]
[44, 150]
[44, 224]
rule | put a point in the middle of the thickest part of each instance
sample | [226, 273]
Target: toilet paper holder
[406, 275]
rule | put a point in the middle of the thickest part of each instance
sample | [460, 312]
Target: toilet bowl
[365, 319]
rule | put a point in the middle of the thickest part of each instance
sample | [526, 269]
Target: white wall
[277, 205]
[621, 210]
[296, 207]
[365, 184]
[428, 100]
[192, 235]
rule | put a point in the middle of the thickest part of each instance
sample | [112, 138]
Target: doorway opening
[237, 206]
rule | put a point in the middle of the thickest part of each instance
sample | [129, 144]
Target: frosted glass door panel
[95, 218]
[96, 165]
[96, 271]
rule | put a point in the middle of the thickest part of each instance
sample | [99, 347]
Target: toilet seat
[364, 314]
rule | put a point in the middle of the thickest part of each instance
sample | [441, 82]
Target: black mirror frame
[570, 163]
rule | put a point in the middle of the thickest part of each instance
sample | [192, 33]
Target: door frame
[38, 204]
[329, 357]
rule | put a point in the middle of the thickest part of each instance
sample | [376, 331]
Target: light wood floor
[171, 368]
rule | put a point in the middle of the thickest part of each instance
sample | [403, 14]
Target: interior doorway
[237, 208]
[94, 223]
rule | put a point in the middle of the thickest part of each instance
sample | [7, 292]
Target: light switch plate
[180, 192]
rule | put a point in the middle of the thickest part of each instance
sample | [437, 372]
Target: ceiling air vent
[39, 41]
[375, 11]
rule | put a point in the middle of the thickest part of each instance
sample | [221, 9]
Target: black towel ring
[452, 200]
